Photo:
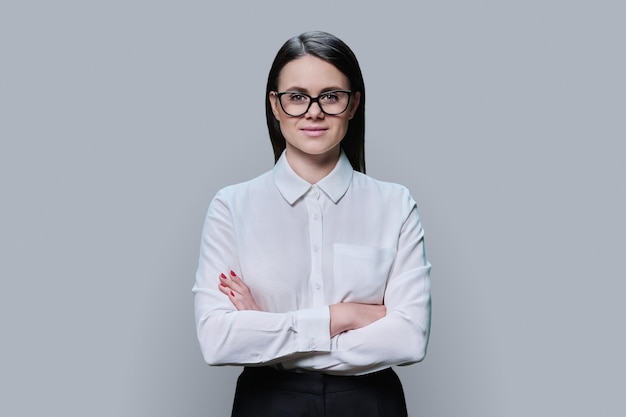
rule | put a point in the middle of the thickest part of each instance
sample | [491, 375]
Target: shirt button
[316, 216]
[312, 344]
[315, 193]
[315, 248]
[317, 286]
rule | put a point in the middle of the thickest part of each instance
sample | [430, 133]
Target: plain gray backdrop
[119, 120]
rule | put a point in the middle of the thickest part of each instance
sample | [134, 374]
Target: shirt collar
[334, 185]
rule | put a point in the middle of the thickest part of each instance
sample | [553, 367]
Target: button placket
[315, 233]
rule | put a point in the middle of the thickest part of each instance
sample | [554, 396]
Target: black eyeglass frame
[313, 100]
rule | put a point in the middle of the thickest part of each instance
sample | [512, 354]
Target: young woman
[313, 275]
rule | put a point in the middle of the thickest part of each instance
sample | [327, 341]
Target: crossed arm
[343, 316]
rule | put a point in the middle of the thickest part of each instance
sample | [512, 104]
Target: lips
[314, 131]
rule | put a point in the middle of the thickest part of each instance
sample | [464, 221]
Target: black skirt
[268, 392]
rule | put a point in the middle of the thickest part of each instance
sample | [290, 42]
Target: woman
[313, 275]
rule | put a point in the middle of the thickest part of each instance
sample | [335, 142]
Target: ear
[354, 105]
[274, 103]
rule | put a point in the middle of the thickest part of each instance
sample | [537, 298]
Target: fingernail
[232, 273]
[222, 276]
[232, 293]
[223, 285]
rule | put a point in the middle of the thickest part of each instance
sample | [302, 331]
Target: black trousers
[268, 392]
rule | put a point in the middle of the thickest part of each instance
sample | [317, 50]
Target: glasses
[332, 103]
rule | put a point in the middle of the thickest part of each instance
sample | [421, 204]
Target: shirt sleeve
[231, 337]
[401, 337]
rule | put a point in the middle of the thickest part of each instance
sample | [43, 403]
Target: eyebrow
[323, 90]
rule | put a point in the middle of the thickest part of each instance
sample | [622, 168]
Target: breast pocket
[361, 272]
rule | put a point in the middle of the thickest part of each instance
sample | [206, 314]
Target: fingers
[224, 286]
[237, 292]
[237, 284]
[235, 278]
[234, 283]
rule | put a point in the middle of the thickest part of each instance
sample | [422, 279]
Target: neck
[312, 168]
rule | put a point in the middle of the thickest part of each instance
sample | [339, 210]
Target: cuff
[312, 326]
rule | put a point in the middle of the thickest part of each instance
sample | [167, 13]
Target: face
[314, 134]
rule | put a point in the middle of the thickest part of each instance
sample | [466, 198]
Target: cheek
[281, 117]
[344, 126]
[286, 127]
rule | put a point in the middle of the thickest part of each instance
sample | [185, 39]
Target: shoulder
[232, 199]
[232, 193]
[392, 199]
[386, 190]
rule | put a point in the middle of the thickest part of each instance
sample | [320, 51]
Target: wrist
[340, 318]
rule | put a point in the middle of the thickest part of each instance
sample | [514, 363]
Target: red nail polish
[232, 273]
[232, 293]
[223, 285]
[222, 276]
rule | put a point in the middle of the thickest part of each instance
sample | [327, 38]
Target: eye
[297, 98]
[329, 97]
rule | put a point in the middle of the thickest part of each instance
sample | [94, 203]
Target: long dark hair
[334, 51]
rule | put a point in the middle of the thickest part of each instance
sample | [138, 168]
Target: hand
[351, 316]
[237, 292]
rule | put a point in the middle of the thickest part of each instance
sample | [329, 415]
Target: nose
[315, 111]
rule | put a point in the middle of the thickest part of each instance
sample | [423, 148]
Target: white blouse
[302, 247]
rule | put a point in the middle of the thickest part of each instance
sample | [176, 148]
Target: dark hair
[334, 51]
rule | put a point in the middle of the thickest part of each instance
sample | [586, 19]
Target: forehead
[312, 74]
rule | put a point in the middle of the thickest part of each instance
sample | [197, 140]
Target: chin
[318, 150]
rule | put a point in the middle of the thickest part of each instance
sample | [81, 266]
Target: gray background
[119, 120]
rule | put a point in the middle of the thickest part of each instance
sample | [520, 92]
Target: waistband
[314, 383]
